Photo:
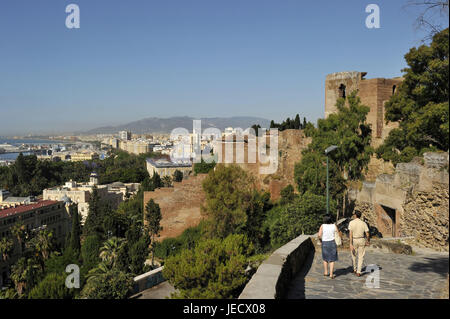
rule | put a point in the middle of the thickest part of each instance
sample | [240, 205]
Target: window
[394, 88]
[342, 91]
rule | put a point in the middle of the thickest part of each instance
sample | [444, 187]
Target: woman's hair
[327, 219]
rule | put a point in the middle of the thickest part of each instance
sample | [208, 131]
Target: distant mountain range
[166, 125]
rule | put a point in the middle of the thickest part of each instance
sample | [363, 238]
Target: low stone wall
[148, 280]
[274, 275]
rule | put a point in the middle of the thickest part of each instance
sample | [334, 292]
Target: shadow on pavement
[343, 271]
[297, 288]
[438, 265]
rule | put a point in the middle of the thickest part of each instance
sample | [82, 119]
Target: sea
[18, 142]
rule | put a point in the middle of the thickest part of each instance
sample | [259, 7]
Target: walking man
[358, 243]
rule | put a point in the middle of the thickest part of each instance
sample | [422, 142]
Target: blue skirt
[329, 251]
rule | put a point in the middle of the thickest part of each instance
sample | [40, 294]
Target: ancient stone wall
[425, 216]
[333, 82]
[291, 143]
[411, 202]
[180, 205]
[373, 92]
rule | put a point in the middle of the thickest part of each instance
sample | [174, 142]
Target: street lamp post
[328, 151]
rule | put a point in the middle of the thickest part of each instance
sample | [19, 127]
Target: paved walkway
[161, 291]
[420, 276]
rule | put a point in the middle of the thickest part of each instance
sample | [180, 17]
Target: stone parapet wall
[148, 280]
[274, 275]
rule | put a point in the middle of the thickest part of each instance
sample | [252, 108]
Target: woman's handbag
[337, 238]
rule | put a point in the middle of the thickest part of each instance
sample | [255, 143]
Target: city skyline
[198, 59]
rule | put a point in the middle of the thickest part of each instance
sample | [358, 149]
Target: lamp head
[330, 149]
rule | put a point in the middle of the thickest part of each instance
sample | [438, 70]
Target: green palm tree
[8, 294]
[24, 274]
[6, 248]
[101, 269]
[110, 250]
[19, 231]
[43, 243]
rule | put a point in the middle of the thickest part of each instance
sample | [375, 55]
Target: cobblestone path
[420, 276]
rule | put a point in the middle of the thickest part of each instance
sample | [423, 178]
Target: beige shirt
[358, 228]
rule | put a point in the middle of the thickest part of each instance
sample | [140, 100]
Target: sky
[202, 58]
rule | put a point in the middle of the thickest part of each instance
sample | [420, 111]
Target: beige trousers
[359, 249]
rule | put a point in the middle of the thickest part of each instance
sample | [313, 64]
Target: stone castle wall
[291, 143]
[373, 93]
[411, 202]
[180, 205]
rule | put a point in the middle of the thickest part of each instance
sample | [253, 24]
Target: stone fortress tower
[374, 93]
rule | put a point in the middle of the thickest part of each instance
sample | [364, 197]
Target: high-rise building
[125, 135]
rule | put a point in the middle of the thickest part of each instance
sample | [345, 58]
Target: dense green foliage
[112, 244]
[215, 268]
[172, 246]
[30, 176]
[287, 195]
[177, 176]
[113, 284]
[295, 124]
[153, 217]
[203, 167]
[302, 216]
[228, 192]
[349, 131]
[421, 106]
[74, 242]
[310, 174]
[52, 287]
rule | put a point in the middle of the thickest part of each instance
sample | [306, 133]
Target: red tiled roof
[25, 208]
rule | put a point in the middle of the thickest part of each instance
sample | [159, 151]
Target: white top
[328, 232]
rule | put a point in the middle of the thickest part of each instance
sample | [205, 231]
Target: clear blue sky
[201, 58]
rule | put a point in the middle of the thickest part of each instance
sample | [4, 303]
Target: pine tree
[156, 180]
[297, 122]
[272, 124]
[153, 217]
[94, 220]
[74, 242]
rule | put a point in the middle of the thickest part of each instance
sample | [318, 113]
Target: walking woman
[327, 233]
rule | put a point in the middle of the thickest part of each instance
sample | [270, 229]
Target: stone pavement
[161, 291]
[419, 276]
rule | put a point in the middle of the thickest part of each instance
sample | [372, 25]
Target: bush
[90, 250]
[215, 268]
[112, 285]
[172, 246]
[203, 167]
[303, 216]
[53, 286]
[178, 176]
